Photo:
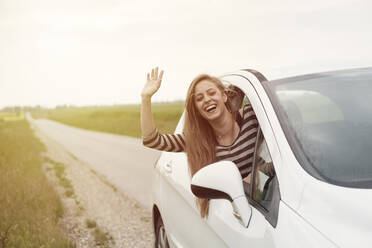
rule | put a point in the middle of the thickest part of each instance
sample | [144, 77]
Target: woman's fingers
[156, 73]
[161, 75]
[153, 82]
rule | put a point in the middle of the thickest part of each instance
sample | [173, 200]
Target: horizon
[61, 106]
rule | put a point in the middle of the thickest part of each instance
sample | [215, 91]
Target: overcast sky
[85, 52]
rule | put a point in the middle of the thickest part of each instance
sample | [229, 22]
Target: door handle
[168, 166]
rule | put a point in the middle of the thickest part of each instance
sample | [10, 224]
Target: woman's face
[209, 100]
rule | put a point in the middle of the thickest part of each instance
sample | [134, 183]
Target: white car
[312, 175]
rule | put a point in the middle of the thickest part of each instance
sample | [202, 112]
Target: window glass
[312, 107]
[327, 119]
[264, 173]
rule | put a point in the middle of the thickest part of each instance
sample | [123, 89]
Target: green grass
[29, 206]
[124, 120]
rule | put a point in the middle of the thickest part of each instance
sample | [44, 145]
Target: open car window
[261, 186]
[264, 174]
[265, 194]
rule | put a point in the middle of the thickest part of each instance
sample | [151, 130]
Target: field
[30, 209]
[124, 120]
[8, 116]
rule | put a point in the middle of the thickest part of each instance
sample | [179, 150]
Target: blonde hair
[199, 136]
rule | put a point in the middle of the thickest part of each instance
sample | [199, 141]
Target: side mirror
[222, 180]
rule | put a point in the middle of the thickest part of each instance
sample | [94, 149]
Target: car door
[221, 228]
[184, 226]
[273, 222]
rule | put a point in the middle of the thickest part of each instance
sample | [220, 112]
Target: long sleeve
[165, 142]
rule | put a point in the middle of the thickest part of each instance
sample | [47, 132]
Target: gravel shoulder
[115, 219]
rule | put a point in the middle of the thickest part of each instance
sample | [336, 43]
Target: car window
[327, 119]
[265, 170]
[265, 194]
[261, 186]
[264, 173]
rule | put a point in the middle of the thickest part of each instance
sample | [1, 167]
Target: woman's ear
[224, 97]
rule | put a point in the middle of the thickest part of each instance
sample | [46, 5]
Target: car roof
[321, 74]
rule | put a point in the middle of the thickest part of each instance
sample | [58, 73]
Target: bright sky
[85, 52]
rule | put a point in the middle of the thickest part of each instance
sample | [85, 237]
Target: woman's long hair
[200, 138]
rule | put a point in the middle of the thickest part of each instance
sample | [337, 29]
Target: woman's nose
[207, 98]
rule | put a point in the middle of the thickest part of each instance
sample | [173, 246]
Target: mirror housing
[222, 180]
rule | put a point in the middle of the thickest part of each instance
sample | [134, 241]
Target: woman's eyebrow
[211, 88]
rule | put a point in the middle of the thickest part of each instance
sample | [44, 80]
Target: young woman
[214, 129]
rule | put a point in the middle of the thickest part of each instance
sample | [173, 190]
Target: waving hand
[153, 83]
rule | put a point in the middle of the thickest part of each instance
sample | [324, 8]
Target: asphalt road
[122, 160]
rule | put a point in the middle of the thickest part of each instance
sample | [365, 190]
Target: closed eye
[198, 98]
[211, 92]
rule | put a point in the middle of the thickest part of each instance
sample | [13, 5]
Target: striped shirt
[240, 151]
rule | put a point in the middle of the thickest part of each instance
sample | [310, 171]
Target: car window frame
[252, 93]
[272, 214]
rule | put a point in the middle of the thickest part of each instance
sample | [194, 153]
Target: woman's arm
[151, 87]
[150, 136]
[165, 142]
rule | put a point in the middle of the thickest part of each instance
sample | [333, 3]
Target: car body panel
[342, 214]
[294, 231]
[177, 198]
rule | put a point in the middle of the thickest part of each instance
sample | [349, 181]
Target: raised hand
[153, 83]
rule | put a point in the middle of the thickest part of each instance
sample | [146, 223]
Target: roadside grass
[104, 180]
[59, 170]
[30, 208]
[64, 182]
[124, 120]
[11, 116]
[101, 238]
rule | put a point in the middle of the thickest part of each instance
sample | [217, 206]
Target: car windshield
[327, 119]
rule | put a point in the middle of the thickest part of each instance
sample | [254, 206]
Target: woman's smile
[211, 108]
